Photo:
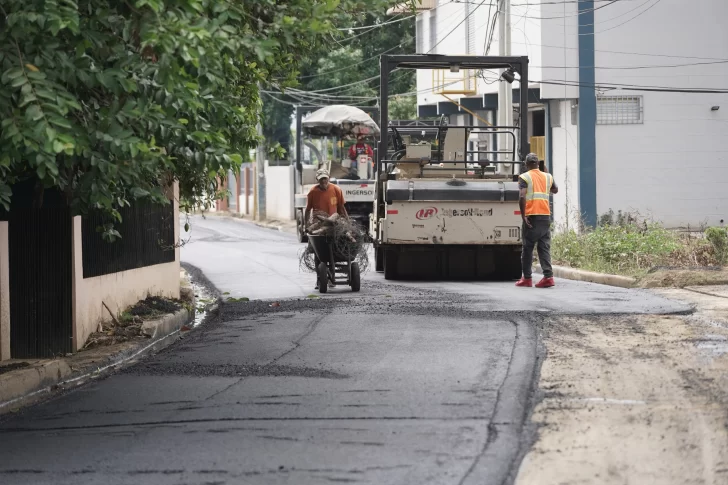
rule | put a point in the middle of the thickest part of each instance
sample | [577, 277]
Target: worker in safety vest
[535, 187]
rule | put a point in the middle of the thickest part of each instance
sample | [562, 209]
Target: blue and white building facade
[608, 85]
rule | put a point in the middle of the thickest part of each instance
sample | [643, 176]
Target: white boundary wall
[279, 192]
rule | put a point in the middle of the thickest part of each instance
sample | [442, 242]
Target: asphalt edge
[27, 386]
[506, 446]
[590, 276]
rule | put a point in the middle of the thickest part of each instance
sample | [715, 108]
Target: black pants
[538, 235]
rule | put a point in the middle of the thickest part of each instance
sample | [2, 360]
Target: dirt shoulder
[634, 399]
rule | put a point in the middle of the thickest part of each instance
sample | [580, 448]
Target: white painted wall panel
[565, 169]
[559, 49]
[279, 193]
[672, 167]
[452, 39]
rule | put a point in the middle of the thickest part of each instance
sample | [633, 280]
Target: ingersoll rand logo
[426, 213]
[353, 192]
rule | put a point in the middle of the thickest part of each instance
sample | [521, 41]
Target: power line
[626, 21]
[487, 25]
[376, 26]
[618, 16]
[634, 67]
[323, 73]
[630, 87]
[431, 49]
[581, 12]
[492, 29]
[629, 53]
[458, 25]
[345, 85]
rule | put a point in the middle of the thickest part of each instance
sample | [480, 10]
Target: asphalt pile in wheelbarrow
[348, 238]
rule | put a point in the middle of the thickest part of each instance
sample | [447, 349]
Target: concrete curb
[590, 276]
[167, 324]
[23, 386]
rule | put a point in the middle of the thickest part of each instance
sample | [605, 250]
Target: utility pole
[260, 175]
[505, 91]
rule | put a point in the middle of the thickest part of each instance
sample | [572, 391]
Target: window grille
[619, 110]
[555, 112]
[470, 30]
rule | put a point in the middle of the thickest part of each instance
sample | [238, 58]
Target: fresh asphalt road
[406, 383]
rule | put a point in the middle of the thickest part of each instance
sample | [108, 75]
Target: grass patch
[623, 244]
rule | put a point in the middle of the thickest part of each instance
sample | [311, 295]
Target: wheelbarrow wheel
[355, 277]
[322, 271]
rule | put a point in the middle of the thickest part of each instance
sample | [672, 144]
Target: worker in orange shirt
[535, 187]
[325, 197]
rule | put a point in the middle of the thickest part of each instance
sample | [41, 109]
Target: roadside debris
[128, 324]
[349, 240]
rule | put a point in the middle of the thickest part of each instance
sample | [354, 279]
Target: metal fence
[147, 238]
[41, 282]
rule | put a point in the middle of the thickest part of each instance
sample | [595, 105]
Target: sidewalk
[634, 399]
[24, 381]
[283, 226]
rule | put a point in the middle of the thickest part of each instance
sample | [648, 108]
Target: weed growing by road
[718, 237]
[626, 244]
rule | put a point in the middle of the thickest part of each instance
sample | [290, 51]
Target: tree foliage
[107, 100]
[346, 59]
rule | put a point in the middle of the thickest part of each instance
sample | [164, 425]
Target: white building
[455, 27]
[617, 136]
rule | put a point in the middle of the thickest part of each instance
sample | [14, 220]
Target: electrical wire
[395, 70]
[632, 87]
[618, 16]
[458, 25]
[707, 63]
[492, 30]
[581, 12]
[376, 26]
[625, 22]
[323, 73]
[273, 96]
[487, 26]
[629, 53]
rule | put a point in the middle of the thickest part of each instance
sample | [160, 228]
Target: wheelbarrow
[332, 266]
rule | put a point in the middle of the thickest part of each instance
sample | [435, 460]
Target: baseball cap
[321, 174]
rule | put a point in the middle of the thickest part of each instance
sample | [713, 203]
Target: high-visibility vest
[537, 193]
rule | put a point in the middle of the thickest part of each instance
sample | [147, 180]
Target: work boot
[546, 282]
[525, 282]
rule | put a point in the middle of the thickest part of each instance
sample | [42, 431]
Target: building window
[619, 110]
[469, 30]
[555, 113]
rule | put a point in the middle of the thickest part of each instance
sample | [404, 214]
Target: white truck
[333, 123]
[443, 210]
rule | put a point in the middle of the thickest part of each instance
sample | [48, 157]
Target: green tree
[106, 100]
[403, 108]
[350, 57]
